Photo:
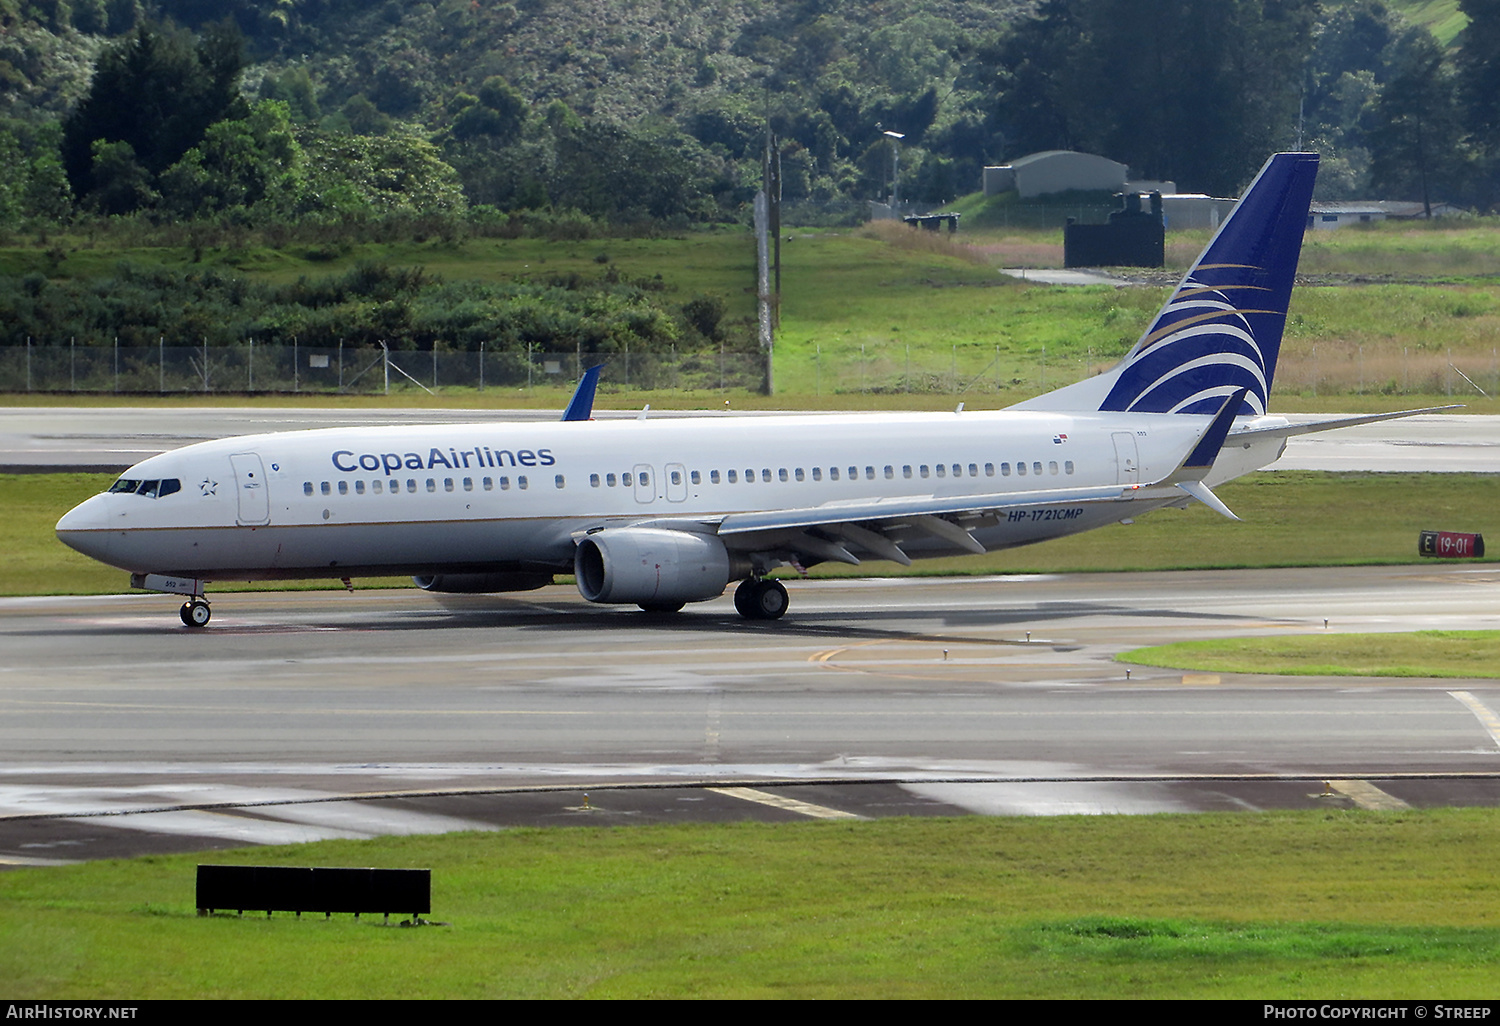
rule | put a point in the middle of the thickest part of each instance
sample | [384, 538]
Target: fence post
[481, 365]
[434, 363]
[161, 365]
[296, 367]
[250, 368]
[818, 367]
[28, 363]
[117, 365]
[72, 363]
[205, 363]
[341, 365]
[385, 363]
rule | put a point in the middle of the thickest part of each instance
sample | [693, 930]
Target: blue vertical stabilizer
[1220, 331]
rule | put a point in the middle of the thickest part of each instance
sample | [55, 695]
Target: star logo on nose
[209, 488]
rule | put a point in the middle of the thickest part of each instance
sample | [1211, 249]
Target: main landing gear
[762, 599]
[195, 612]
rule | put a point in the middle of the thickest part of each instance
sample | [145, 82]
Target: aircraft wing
[835, 531]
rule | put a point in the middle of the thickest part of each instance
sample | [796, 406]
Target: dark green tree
[157, 93]
[1416, 147]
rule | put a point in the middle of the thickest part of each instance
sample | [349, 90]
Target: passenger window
[817, 473]
[765, 474]
[643, 479]
[833, 473]
[1036, 468]
[782, 474]
[713, 476]
[958, 471]
[593, 480]
[1021, 469]
[376, 487]
[906, 470]
[521, 482]
[733, 477]
[973, 470]
[697, 478]
[677, 477]
[1052, 467]
[609, 479]
[489, 484]
[431, 485]
[749, 475]
[468, 484]
[869, 473]
[989, 470]
[628, 480]
[854, 473]
[559, 482]
[1067, 466]
[922, 470]
[325, 488]
[505, 484]
[411, 484]
[343, 487]
[447, 484]
[307, 488]
[1005, 470]
[942, 471]
[890, 472]
[800, 475]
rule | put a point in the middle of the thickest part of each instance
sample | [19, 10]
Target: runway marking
[750, 794]
[1486, 716]
[1366, 795]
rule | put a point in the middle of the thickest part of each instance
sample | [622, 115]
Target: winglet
[1189, 475]
[581, 406]
[1197, 463]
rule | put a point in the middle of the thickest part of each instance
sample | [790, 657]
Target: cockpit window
[150, 489]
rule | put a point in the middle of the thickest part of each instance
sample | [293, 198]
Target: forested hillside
[656, 111]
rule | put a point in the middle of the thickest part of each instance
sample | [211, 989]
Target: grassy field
[1290, 518]
[1420, 654]
[1305, 905]
[876, 318]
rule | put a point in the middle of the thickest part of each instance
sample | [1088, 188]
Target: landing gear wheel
[195, 613]
[761, 600]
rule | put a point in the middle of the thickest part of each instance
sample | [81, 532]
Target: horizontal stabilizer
[1310, 427]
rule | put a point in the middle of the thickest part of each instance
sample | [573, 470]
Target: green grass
[1418, 654]
[1327, 904]
[1290, 518]
[872, 318]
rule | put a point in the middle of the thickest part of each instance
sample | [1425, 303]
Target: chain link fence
[164, 369]
[822, 369]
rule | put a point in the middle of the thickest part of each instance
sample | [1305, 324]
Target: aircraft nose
[85, 527]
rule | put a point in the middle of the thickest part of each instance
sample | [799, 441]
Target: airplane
[663, 512]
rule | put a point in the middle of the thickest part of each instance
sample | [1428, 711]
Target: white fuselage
[514, 496]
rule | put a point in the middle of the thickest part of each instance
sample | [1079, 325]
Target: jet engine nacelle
[474, 584]
[651, 566]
